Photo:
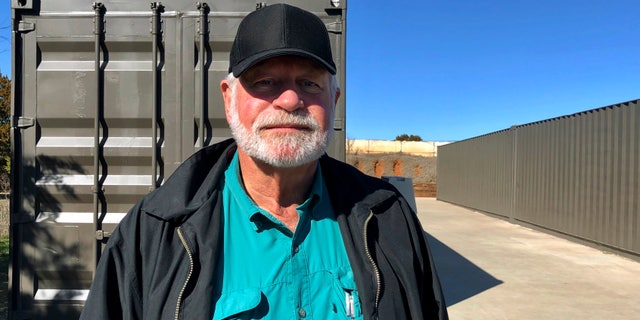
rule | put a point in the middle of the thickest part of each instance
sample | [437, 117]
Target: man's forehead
[302, 64]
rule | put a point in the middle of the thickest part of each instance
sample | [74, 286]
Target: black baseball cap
[278, 30]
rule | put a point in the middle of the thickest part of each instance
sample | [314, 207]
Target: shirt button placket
[302, 313]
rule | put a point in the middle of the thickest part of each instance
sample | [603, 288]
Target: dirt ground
[421, 170]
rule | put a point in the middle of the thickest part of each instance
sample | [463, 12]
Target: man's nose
[289, 100]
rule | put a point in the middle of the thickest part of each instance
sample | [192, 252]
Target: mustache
[295, 119]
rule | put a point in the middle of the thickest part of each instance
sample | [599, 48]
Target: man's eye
[310, 86]
[309, 83]
[264, 83]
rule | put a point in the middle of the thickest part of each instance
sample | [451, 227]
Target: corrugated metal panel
[577, 174]
[111, 99]
[481, 170]
[588, 175]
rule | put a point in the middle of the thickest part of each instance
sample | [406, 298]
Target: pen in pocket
[349, 305]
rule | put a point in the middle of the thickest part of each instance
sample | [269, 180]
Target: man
[266, 225]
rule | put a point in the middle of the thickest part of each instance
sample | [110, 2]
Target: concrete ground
[491, 269]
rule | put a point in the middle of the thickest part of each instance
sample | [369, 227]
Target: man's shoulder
[206, 157]
[191, 184]
[349, 187]
[349, 175]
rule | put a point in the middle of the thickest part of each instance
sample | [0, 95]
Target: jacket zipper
[373, 262]
[184, 286]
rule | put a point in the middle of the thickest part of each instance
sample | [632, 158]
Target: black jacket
[159, 262]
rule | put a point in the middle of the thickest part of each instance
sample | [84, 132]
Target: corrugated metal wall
[577, 174]
[478, 173]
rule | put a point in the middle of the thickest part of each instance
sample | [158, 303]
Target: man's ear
[225, 88]
[335, 101]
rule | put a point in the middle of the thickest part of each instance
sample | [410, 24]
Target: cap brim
[247, 63]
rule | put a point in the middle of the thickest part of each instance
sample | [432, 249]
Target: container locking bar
[156, 31]
[98, 31]
[203, 35]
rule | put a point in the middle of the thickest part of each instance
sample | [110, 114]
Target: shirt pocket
[345, 290]
[237, 304]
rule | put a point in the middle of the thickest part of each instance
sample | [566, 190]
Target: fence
[578, 175]
[4, 216]
[417, 148]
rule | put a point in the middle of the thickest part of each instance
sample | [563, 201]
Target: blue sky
[451, 70]
[5, 37]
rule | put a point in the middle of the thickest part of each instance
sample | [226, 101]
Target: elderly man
[266, 226]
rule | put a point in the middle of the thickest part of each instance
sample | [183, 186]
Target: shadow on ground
[459, 277]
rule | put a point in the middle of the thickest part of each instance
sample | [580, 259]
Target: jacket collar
[195, 181]
[192, 184]
[351, 190]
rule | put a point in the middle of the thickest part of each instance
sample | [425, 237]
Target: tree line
[5, 131]
[407, 137]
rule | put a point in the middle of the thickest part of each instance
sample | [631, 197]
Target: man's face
[281, 111]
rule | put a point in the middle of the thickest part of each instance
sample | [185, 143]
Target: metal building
[108, 99]
[578, 175]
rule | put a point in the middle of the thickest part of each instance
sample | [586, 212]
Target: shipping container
[576, 175]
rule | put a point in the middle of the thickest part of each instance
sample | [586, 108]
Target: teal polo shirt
[268, 272]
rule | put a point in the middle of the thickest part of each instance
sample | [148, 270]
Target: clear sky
[5, 38]
[451, 70]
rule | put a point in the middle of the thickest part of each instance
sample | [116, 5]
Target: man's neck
[277, 190]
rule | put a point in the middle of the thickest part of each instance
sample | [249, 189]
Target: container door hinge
[334, 27]
[101, 234]
[21, 4]
[25, 122]
[26, 26]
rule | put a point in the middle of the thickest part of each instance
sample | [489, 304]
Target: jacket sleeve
[432, 297]
[410, 285]
[434, 284]
[115, 290]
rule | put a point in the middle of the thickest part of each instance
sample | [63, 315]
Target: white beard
[285, 150]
